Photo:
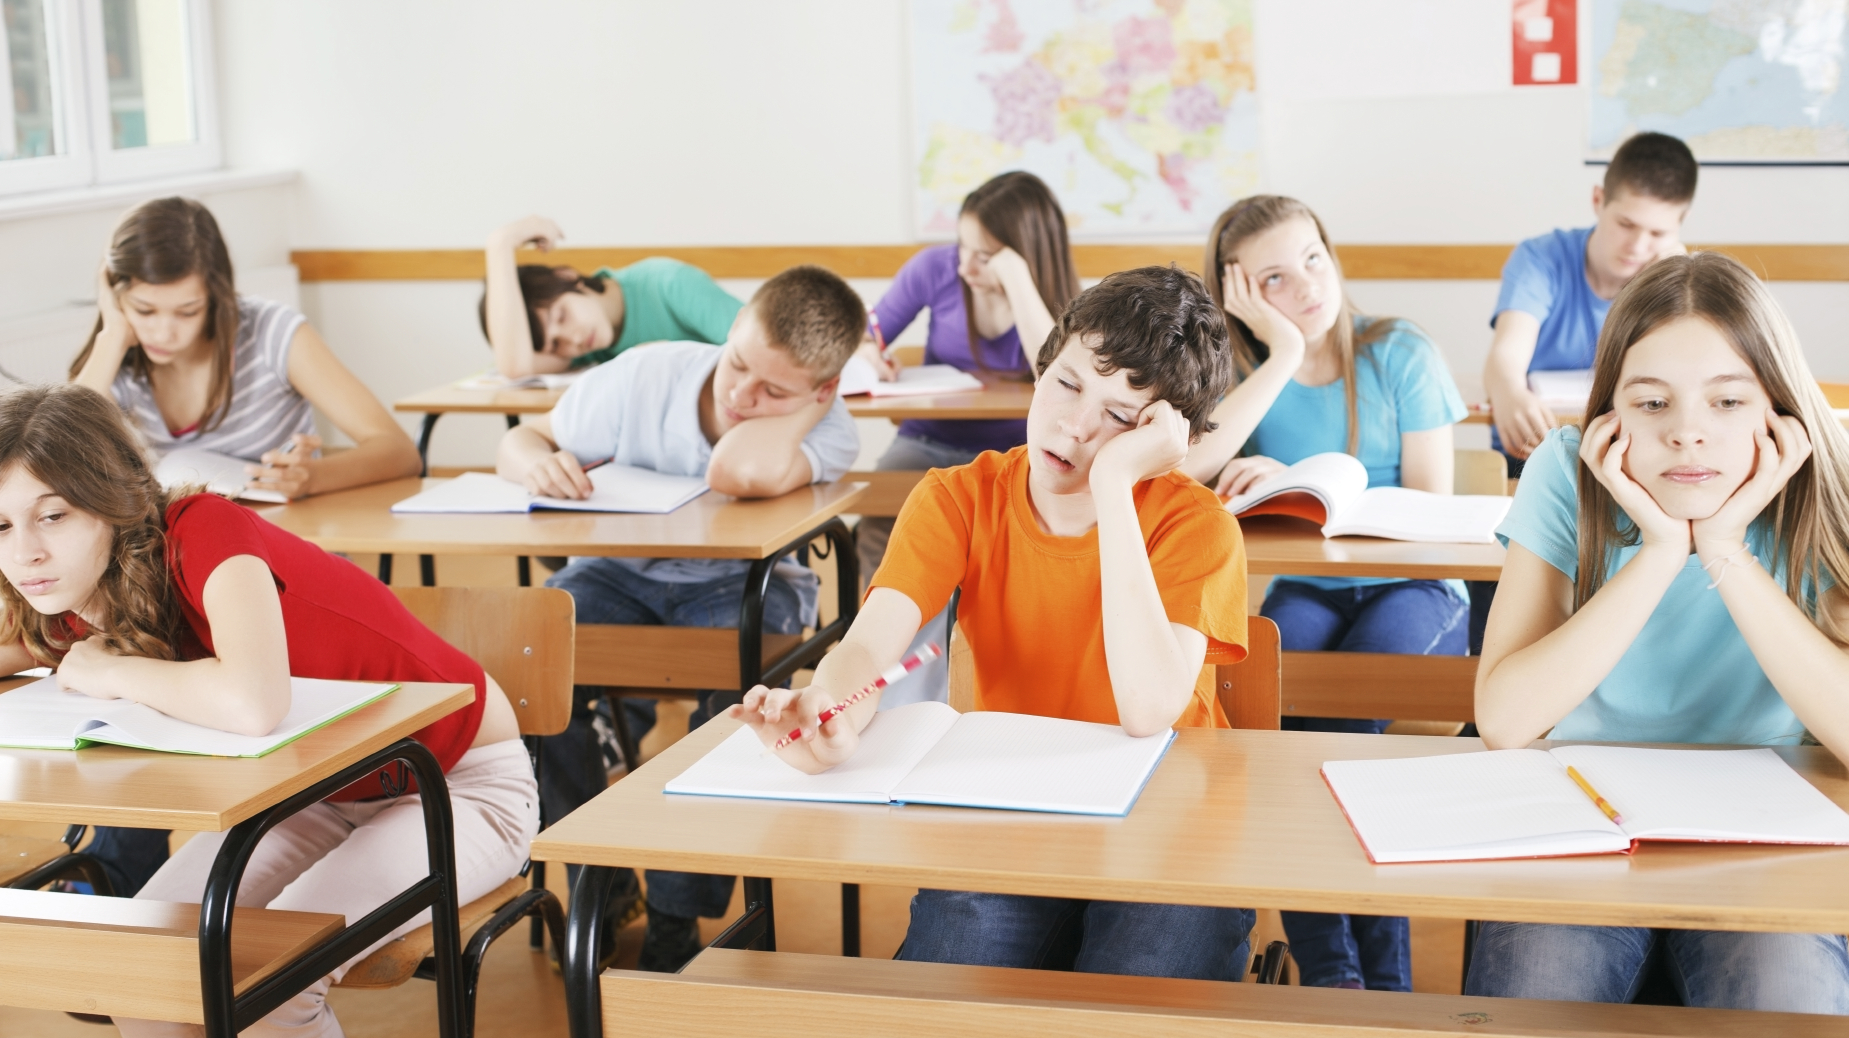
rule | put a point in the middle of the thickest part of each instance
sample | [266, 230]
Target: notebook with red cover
[1522, 804]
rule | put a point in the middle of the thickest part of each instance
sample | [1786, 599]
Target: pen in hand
[887, 677]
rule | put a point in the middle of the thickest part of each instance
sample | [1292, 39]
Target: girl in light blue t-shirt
[1316, 377]
[1646, 599]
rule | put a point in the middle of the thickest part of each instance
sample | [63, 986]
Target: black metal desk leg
[850, 920]
[427, 570]
[385, 569]
[423, 440]
[590, 899]
[757, 891]
[524, 564]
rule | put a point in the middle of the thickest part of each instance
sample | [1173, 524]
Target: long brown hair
[1019, 210]
[76, 442]
[168, 240]
[1256, 215]
[1809, 518]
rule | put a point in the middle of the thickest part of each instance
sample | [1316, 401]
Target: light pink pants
[350, 858]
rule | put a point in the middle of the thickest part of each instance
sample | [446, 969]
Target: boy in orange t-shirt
[1096, 583]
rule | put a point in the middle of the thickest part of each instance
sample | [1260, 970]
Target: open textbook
[41, 717]
[927, 753]
[1523, 804]
[490, 380]
[859, 377]
[221, 474]
[1331, 490]
[615, 488]
[1562, 390]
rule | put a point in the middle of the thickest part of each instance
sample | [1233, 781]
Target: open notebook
[1561, 390]
[1331, 490]
[40, 717]
[221, 474]
[1522, 803]
[859, 377]
[616, 488]
[927, 753]
[490, 380]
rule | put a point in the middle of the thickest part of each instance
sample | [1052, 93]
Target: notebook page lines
[1068, 766]
[1743, 794]
[1431, 808]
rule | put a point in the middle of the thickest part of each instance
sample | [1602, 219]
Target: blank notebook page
[1468, 805]
[1708, 794]
[889, 746]
[1027, 763]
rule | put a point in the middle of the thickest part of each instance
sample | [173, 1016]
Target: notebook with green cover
[40, 716]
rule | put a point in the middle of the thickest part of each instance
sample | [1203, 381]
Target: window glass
[150, 82]
[28, 126]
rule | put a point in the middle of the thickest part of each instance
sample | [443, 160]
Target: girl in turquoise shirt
[1676, 574]
[1317, 376]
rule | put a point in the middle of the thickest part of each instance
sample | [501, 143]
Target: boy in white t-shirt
[758, 417]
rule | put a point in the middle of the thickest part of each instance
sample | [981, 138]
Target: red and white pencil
[887, 677]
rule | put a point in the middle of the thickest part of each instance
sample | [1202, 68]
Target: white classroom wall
[423, 123]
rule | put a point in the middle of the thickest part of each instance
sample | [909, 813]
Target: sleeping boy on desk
[758, 417]
[1096, 581]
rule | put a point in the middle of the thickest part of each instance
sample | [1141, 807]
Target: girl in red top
[199, 608]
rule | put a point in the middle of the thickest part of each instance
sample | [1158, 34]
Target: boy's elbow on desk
[748, 480]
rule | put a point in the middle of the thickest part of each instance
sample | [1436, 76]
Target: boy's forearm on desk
[521, 448]
[763, 457]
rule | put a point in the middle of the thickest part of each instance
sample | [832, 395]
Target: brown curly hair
[74, 441]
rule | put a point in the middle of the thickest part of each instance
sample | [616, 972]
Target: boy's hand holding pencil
[819, 735]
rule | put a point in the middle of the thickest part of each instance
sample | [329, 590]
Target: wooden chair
[1250, 691]
[523, 637]
[1480, 472]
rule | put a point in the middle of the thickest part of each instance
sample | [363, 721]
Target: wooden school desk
[435, 403]
[108, 785]
[999, 398]
[711, 526]
[1230, 818]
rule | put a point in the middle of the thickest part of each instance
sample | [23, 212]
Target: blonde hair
[1809, 518]
[74, 441]
[1253, 216]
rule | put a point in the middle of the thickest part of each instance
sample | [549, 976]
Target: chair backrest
[522, 636]
[908, 356]
[1251, 691]
[1480, 472]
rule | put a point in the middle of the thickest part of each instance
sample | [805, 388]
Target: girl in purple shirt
[993, 298]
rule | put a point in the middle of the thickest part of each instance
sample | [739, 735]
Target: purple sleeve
[910, 292]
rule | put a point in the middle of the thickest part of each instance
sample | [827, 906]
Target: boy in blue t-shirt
[1556, 288]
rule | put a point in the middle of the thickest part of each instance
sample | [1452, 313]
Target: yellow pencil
[1604, 805]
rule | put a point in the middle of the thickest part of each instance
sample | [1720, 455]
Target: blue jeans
[1124, 938]
[1415, 617]
[1787, 972]
[607, 592]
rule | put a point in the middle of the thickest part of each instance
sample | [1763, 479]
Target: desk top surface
[445, 399]
[113, 785]
[1230, 818]
[998, 398]
[710, 526]
[1280, 545]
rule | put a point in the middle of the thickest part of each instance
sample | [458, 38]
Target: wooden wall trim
[1369, 262]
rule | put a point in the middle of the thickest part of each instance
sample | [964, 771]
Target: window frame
[80, 92]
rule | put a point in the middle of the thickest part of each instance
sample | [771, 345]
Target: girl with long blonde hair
[1316, 375]
[1675, 574]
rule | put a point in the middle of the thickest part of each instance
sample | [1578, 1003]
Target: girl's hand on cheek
[1783, 448]
[1603, 449]
[84, 667]
[1245, 299]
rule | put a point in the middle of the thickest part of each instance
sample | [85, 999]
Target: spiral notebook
[1523, 804]
[927, 753]
[40, 716]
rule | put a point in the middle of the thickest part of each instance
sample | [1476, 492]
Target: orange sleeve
[929, 548]
[1199, 562]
